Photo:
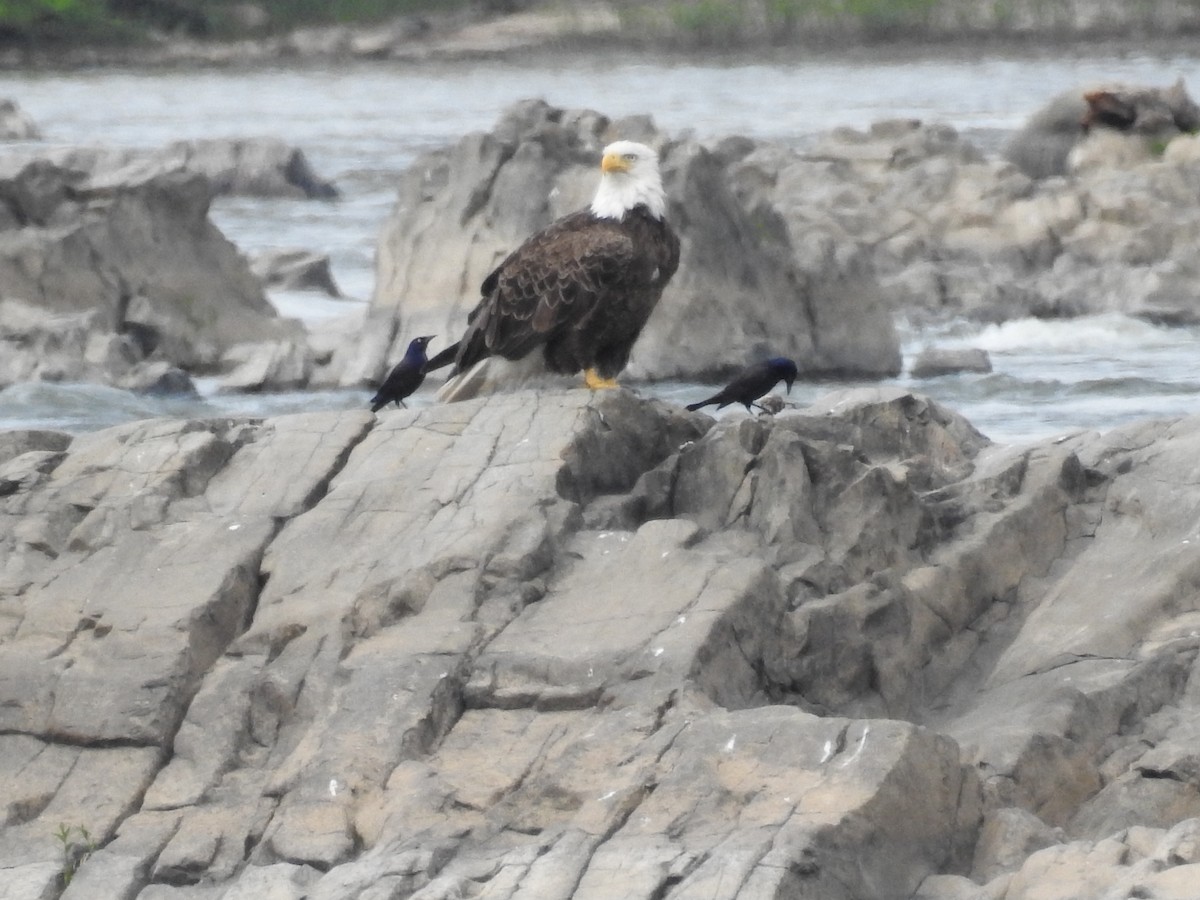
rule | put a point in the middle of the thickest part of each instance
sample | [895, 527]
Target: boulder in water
[100, 278]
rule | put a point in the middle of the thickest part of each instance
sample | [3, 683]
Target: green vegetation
[73, 852]
[716, 22]
[39, 23]
[54, 21]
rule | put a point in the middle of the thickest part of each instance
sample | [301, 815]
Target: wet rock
[100, 280]
[297, 270]
[1126, 119]
[281, 365]
[934, 361]
[256, 167]
[15, 124]
[159, 379]
[586, 645]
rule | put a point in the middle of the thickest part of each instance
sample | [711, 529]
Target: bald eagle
[580, 290]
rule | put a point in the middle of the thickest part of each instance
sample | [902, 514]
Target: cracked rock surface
[575, 645]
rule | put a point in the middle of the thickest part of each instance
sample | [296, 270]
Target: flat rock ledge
[564, 645]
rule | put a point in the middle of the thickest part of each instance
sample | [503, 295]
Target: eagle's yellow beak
[614, 162]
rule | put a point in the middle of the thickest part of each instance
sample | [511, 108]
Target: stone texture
[256, 167]
[807, 252]
[295, 269]
[15, 123]
[572, 645]
[102, 280]
[740, 292]
[934, 361]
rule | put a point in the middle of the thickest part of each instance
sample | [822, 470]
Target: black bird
[751, 383]
[405, 378]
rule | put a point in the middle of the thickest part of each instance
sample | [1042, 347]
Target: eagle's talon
[598, 382]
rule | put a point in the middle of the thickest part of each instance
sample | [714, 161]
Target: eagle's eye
[630, 157]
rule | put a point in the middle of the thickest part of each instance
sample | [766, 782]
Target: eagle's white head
[630, 176]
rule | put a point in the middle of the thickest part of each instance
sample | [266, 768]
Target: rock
[953, 234]
[1009, 836]
[99, 280]
[1045, 146]
[159, 379]
[934, 361]
[297, 270]
[741, 291]
[280, 365]
[15, 124]
[256, 167]
[819, 247]
[14, 443]
[587, 645]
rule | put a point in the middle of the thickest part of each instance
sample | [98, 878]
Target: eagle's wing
[551, 282]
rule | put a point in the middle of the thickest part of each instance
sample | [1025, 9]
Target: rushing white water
[361, 124]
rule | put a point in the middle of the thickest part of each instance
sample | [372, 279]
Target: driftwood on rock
[581, 645]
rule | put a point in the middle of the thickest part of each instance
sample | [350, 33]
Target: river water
[361, 124]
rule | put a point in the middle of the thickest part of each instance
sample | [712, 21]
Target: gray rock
[1047, 144]
[742, 290]
[1009, 835]
[256, 167]
[159, 379]
[101, 280]
[565, 644]
[299, 270]
[14, 443]
[934, 361]
[281, 365]
[15, 124]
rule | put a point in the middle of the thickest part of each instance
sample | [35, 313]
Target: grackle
[405, 378]
[751, 383]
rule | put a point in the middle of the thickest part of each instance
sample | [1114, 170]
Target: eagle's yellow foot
[593, 380]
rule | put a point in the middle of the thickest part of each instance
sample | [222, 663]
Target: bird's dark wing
[750, 384]
[401, 381]
[551, 282]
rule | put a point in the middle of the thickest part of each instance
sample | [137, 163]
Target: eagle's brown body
[582, 289]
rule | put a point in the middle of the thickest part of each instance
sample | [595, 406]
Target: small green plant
[708, 21]
[74, 852]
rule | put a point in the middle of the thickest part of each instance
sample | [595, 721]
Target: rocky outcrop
[255, 167]
[953, 232]
[742, 290]
[572, 645]
[15, 123]
[1072, 129]
[808, 252]
[934, 361]
[101, 279]
[295, 269]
